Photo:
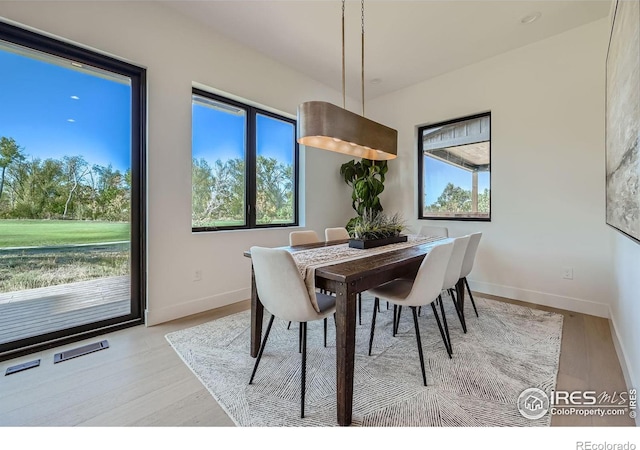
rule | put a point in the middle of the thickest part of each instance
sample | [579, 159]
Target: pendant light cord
[362, 54]
[344, 96]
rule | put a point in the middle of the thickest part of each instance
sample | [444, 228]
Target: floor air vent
[23, 366]
[80, 351]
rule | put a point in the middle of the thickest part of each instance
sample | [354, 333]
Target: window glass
[219, 155]
[275, 170]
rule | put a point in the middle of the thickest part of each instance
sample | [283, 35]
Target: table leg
[345, 351]
[257, 311]
[460, 295]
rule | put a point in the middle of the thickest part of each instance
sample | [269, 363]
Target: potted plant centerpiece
[376, 229]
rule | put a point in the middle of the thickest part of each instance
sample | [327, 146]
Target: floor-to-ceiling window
[71, 203]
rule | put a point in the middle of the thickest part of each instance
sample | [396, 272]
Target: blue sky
[53, 111]
[441, 173]
[221, 135]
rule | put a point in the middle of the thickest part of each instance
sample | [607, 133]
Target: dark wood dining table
[347, 279]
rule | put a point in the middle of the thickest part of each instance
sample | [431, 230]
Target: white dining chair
[467, 264]
[428, 230]
[450, 279]
[336, 234]
[283, 293]
[431, 231]
[452, 275]
[423, 290]
[303, 237]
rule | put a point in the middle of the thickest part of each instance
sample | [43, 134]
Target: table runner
[308, 260]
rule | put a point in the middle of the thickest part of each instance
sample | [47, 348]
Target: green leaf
[376, 187]
[348, 171]
[362, 188]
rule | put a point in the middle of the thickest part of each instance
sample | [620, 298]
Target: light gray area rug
[507, 349]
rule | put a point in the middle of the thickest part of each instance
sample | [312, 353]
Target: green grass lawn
[36, 233]
[27, 269]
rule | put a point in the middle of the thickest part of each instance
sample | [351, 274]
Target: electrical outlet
[197, 275]
[567, 273]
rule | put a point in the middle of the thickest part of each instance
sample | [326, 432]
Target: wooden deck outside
[34, 312]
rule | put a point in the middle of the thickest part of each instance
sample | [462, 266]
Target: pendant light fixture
[327, 126]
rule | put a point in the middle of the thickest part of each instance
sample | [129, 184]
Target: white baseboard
[160, 315]
[627, 371]
[542, 298]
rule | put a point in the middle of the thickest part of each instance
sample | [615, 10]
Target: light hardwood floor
[140, 380]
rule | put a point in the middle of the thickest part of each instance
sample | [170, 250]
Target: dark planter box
[371, 243]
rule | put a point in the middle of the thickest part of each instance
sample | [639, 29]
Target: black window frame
[138, 241]
[421, 174]
[251, 113]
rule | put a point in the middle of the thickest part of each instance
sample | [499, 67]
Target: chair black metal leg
[300, 339]
[397, 325]
[264, 342]
[446, 327]
[395, 314]
[419, 310]
[373, 322]
[379, 307]
[325, 331]
[458, 311]
[289, 325]
[442, 333]
[470, 296]
[415, 323]
[359, 309]
[303, 375]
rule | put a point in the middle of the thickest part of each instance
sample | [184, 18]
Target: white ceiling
[405, 41]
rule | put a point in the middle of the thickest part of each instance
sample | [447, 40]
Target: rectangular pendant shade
[326, 126]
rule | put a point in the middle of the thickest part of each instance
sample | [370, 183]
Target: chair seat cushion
[396, 290]
[325, 302]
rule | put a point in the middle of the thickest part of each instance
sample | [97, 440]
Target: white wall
[547, 111]
[178, 52]
[625, 308]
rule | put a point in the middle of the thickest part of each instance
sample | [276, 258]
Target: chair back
[428, 230]
[335, 234]
[303, 237]
[280, 286]
[470, 254]
[452, 275]
[428, 282]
